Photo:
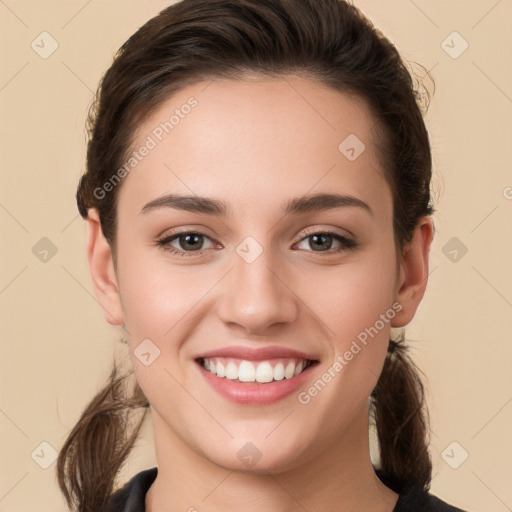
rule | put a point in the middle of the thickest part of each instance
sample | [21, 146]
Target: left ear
[413, 275]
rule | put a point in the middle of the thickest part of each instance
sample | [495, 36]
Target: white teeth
[290, 369]
[249, 371]
[264, 372]
[232, 371]
[246, 372]
[279, 371]
[221, 371]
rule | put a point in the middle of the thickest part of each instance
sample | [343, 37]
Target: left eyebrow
[319, 202]
[299, 205]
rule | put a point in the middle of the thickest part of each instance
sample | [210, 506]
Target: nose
[257, 296]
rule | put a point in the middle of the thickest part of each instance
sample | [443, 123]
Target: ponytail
[401, 417]
[99, 444]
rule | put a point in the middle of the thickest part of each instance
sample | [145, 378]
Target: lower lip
[255, 393]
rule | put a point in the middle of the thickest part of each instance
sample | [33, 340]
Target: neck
[340, 479]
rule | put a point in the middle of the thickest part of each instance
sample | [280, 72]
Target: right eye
[185, 243]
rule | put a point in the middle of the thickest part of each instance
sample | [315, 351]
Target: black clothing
[131, 497]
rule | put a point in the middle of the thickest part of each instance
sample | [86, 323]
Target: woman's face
[290, 259]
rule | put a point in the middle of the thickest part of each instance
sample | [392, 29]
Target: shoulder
[415, 499]
[131, 497]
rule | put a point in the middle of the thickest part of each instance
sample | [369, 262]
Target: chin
[257, 456]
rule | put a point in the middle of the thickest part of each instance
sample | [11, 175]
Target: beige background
[56, 347]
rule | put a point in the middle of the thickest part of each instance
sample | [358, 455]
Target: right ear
[101, 266]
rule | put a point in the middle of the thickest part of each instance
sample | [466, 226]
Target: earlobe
[413, 275]
[101, 266]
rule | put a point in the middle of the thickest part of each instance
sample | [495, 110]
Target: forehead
[255, 138]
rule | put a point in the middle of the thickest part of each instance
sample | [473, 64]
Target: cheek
[356, 305]
[351, 298]
[155, 293]
[160, 302]
[165, 303]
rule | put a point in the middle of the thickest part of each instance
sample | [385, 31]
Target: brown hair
[326, 40]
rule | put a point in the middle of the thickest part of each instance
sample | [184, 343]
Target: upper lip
[256, 354]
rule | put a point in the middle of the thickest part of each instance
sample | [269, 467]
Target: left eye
[324, 241]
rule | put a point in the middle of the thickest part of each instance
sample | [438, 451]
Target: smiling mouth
[241, 370]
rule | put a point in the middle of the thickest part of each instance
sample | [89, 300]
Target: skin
[255, 144]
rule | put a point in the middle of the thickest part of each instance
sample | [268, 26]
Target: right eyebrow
[188, 203]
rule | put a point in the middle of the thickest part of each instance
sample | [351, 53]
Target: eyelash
[164, 243]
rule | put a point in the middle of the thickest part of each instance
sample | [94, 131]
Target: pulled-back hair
[329, 41]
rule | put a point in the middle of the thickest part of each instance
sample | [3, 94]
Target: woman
[257, 197]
